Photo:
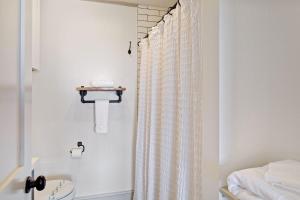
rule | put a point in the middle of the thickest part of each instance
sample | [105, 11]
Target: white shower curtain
[168, 151]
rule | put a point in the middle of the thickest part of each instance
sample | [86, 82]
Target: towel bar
[84, 90]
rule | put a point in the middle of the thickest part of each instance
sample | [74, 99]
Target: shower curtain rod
[162, 19]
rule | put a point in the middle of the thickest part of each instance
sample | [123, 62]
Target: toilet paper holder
[79, 145]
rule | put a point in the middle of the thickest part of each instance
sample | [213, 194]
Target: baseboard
[124, 195]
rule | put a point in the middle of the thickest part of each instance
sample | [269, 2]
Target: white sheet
[252, 180]
[284, 174]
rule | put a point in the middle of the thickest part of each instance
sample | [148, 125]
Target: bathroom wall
[210, 105]
[83, 41]
[259, 82]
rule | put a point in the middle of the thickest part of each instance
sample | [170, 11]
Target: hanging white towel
[101, 116]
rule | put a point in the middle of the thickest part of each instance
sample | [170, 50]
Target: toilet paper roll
[76, 152]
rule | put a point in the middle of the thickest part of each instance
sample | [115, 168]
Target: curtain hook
[169, 12]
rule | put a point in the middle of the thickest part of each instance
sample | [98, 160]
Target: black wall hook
[129, 51]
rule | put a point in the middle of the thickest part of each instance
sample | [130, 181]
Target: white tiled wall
[148, 16]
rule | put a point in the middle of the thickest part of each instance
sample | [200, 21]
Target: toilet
[56, 190]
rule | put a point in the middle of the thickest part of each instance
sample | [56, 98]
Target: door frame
[24, 168]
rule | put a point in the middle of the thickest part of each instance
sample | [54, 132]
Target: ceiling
[159, 3]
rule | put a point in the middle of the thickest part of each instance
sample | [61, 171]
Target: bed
[244, 195]
[228, 195]
[275, 181]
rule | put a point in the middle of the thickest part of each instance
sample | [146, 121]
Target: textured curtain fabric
[168, 150]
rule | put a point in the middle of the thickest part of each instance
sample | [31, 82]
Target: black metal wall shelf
[84, 90]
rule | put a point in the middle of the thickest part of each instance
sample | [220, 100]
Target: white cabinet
[35, 35]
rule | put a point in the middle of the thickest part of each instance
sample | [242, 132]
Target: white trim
[22, 66]
[10, 178]
[123, 3]
[124, 195]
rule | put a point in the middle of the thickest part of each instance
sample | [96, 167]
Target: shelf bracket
[83, 93]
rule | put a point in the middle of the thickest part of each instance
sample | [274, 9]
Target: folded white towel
[284, 174]
[102, 83]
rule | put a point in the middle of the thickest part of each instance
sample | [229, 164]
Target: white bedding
[245, 195]
[284, 174]
[250, 184]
